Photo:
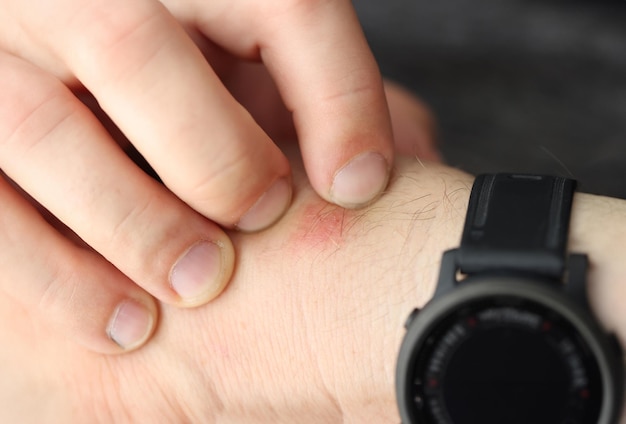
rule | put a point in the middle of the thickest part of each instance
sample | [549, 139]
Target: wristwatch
[509, 336]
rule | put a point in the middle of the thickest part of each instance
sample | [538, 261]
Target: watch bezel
[485, 287]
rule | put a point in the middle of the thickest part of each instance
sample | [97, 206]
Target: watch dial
[506, 361]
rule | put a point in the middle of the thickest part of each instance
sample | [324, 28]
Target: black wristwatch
[509, 336]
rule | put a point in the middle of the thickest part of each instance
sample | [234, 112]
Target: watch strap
[517, 223]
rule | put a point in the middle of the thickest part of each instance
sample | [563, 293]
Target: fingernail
[196, 274]
[360, 181]
[268, 209]
[130, 325]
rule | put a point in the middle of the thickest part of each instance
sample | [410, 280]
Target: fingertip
[132, 323]
[270, 207]
[202, 272]
[361, 180]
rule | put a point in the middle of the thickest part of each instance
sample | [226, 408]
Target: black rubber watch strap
[517, 223]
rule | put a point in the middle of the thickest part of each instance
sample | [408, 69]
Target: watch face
[509, 360]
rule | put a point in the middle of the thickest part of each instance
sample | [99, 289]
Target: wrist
[465, 337]
[598, 228]
[410, 278]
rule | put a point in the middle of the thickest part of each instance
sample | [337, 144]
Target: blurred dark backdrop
[519, 85]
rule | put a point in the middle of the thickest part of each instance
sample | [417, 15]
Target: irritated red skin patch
[320, 224]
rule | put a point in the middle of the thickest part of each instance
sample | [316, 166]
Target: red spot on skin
[320, 224]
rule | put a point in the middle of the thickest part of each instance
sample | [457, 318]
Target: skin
[310, 326]
[202, 92]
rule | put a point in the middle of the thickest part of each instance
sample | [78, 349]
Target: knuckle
[60, 291]
[354, 87]
[232, 186]
[33, 107]
[129, 222]
[144, 238]
[113, 45]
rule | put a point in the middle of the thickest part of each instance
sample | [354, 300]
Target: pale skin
[309, 328]
[176, 80]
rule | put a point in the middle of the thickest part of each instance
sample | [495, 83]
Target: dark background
[516, 85]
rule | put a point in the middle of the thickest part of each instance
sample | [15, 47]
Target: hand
[110, 236]
[309, 329]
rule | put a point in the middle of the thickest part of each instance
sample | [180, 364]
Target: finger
[54, 148]
[73, 289]
[154, 83]
[413, 123]
[326, 74]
